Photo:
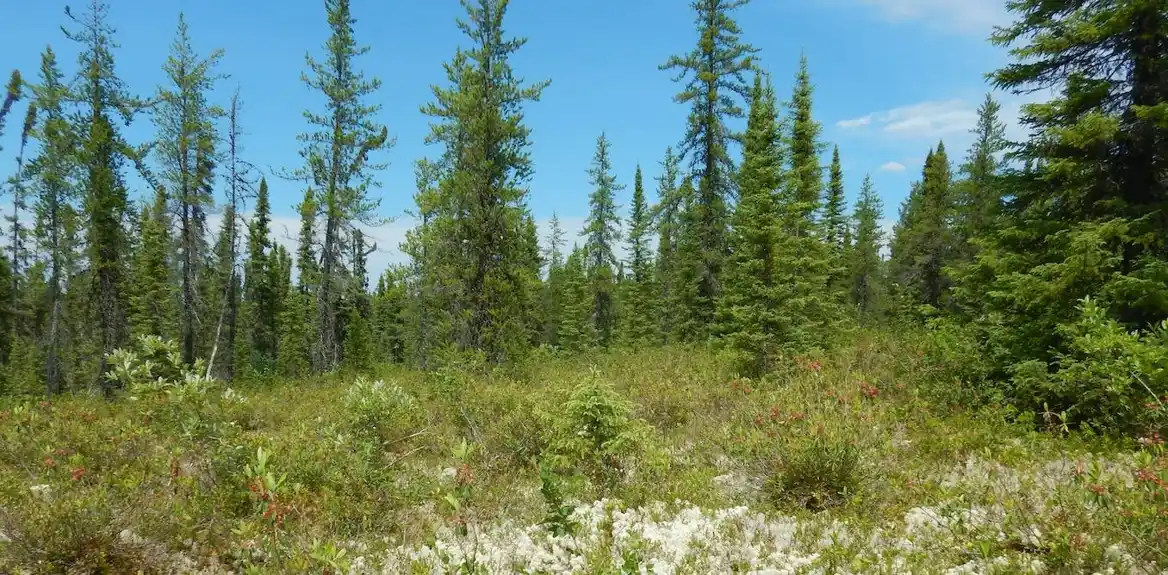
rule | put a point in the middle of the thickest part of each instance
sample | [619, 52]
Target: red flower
[49, 462]
[78, 473]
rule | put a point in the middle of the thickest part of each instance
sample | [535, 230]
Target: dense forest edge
[740, 374]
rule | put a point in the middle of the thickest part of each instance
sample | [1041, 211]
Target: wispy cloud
[929, 119]
[892, 167]
[961, 16]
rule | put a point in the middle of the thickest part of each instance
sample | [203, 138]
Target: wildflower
[78, 473]
[49, 462]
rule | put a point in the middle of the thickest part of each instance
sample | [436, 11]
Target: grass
[856, 462]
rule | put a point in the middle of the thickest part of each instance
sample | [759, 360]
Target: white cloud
[962, 16]
[855, 122]
[892, 167]
[925, 120]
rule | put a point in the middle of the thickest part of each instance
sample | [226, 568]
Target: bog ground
[655, 462]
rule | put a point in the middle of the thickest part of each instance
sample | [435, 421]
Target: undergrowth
[867, 459]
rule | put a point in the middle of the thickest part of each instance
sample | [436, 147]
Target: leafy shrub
[822, 472]
[1108, 378]
[382, 412]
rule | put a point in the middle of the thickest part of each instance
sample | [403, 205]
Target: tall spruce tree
[638, 315]
[152, 302]
[923, 240]
[553, 299]
[865, 265]
[577, 327]
[260, 297]
[54, 187]
[102, 151]
[978, 197]
[186, 141]
[805, 178]
[1087, 215]
[667, 218]
[749, 313]
[602, 232]
[337, 163]
[714, 76]
[479, 214]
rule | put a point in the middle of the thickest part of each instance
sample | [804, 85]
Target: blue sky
[891, 78]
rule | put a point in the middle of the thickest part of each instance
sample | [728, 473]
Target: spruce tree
[978, 197]
[1087, 213]
[577, 327]
[640, 290]
[749, 317]
[714, 76]
[260, 297]
[102, 152]
[477, 219]
[805, 177]
[601, 232]
[865, 266]
[834, 222]
[12, 94]
[337, 155]
[186, 138]
[923, 240]
[553, 290]
[55, 191]
[667, 218]
[152, 302]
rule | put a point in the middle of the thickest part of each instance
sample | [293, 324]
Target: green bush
[382, 412]
[596, 433]
[821, 472]
[1109, 379]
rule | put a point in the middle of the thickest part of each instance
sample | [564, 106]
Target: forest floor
[652, 462]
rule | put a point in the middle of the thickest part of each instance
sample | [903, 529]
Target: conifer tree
[865, 264]
[749, 312]
[260, 297]
[577, 328]
[19, 257]
[478, 221]
[306, 262]
[553, 290]
[1086, 215]
[805, 177]
[337, 155]
[102, 152]
[978, 197]
[389, 315]
[601, 232]
[922, 245]
[714, 79]
[186, 139]
[687, 300]
[640, 292]
[54, 188]
[152, 301]
[667, 218]
[834, 221]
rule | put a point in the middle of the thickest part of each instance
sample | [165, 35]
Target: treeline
[1042, 264]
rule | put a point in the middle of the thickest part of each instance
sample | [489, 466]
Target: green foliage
[866, 268]
[152, 304]
[714, 75]
[597, 434]
[382, 412]
[577, 331]
[639, 302]
[1108, 378]
[602, 232]
[748, 312]
[822, 473]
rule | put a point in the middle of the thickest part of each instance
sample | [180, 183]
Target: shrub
[820, 473]
[596, 433]
[382, 412]
[1108, 379]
